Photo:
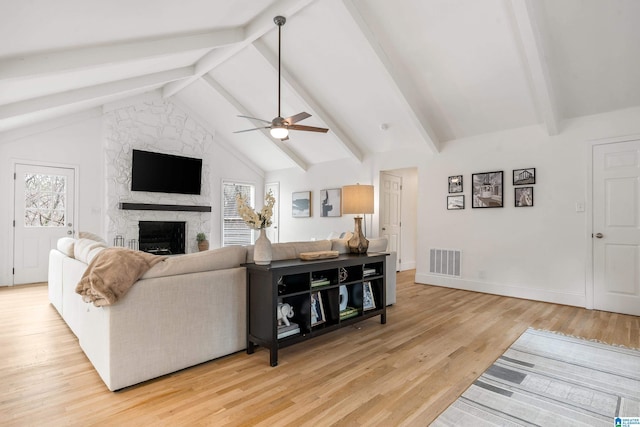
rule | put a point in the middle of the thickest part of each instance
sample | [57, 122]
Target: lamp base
[358, 244]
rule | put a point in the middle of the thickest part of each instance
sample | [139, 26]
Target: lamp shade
[357, 199]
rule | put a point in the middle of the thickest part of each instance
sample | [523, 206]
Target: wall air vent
[446, 262]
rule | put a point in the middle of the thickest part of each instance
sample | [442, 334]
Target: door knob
[383, 229]
[599, 235]
[69, 232]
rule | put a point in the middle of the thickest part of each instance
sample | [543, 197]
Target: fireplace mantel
[159, 207]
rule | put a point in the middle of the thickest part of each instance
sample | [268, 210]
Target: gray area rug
[548, 379]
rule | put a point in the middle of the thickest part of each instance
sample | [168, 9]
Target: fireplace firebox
[162, 237]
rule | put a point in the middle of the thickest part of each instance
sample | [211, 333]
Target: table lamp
[357, 199]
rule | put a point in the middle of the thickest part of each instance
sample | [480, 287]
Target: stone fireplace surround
[160, 126]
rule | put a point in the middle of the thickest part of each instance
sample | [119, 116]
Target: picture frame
[301, 204]
[455, 202]
[331, 202]
[524, 176]
[487, 189]
[368, 301]
[317, 309]
[455, 184]
[523, 197]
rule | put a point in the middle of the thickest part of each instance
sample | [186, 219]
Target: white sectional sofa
[186, 310]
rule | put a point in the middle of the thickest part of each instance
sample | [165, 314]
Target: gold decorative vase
[358, 244]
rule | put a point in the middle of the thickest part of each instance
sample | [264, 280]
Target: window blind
[234, 229]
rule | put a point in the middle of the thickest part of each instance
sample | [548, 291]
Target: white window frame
[246, 231]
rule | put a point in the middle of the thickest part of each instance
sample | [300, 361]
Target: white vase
[262, 249]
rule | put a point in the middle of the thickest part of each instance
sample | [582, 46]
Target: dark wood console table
[325, 295]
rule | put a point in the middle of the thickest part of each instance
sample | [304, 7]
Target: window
[234, 229]
[45, 200]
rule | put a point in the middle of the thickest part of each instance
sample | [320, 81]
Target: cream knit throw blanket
[112, 272]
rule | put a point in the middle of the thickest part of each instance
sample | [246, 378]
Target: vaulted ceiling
[382, 75]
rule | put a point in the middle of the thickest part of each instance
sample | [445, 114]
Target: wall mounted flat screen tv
[165, 173]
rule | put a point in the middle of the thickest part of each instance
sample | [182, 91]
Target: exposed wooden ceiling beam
[398, 83]
[528, 28]
[92, 93]
[96, 56]
[297, 88]
[244, 111]
[255, 29]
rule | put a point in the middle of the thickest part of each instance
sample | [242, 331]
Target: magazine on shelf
[286, 331]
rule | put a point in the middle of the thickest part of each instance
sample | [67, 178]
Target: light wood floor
[435, 343]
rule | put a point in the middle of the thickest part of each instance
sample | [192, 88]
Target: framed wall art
[368, 301]
[455, 202]
[524, 176]
[455, 184]
[301, 204]
[523, 197]
[330, 202]
[487, 189]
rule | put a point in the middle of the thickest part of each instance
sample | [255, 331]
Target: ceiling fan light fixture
[279, 132]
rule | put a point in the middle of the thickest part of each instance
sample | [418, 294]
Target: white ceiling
[430, 71]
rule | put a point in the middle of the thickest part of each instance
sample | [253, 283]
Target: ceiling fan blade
[254, 118]
[307, 128]
[247, 130]
[298, 117]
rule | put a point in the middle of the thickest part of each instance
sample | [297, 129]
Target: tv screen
[165, 173]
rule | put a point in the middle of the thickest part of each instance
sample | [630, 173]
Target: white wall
[537, 252]
[319, 177]
[79, 141]
[75, 141]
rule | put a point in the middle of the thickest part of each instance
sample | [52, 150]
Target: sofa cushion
[91, 236]
[65, 245]
[214, 259]
[85, 249]
[292, 250]
[377, 244]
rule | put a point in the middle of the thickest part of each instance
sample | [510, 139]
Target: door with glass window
[43, 212]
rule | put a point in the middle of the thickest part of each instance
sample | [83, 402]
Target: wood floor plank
[436, 342]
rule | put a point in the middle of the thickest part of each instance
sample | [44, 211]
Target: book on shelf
[286, 331]
[369, 272]
[348, 312]
[320, 282]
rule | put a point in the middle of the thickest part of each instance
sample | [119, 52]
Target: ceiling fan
[279, 127]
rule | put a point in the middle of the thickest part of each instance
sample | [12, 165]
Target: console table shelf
[325, 295]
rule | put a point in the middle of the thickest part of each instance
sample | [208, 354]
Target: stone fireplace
[162, 237]
[155, 125]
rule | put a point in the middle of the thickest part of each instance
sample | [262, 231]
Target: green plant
[201, 237]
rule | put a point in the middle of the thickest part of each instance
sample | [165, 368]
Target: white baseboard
[407, 266]
[565, 298]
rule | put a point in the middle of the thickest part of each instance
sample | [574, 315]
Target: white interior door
[616, 227]
[390, 212]
[273, 232]
[43, 212]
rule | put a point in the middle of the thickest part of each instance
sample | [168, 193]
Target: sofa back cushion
[214, 259]
[85, 249]
[376, 244]
[292, 250]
